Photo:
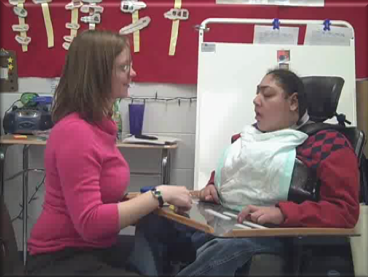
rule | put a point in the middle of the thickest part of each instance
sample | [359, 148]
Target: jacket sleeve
[211, 181]
[338, 205]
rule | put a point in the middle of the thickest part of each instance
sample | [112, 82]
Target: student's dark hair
[290, 82]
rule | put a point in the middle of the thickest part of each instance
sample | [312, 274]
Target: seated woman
[280, 105]
[86, 175]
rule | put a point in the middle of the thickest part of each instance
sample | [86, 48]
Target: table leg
[25, 201]
[3, 148]
[165, 167]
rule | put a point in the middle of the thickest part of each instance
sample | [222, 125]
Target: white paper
[337, 36]
[268, 35]
[308, 3]
[4, 73]
[54, 83]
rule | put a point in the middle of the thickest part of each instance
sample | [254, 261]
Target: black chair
[323, 94]
[319, 256]
[11, 263]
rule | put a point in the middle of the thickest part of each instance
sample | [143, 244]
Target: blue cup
[136, 114]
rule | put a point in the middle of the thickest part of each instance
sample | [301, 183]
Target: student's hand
[178, 196]
[261, 215]
[209, 193]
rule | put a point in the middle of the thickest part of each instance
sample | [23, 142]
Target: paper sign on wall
[268, 35]
[309, 3]
[336, 36]
[4, 73]
[283, 59]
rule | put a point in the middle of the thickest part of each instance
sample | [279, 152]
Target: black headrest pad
[323, 94]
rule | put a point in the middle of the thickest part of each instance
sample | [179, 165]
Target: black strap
[364, 179]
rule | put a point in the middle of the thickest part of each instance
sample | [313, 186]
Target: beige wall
[362, 108]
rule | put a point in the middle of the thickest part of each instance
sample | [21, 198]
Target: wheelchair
[322, 256]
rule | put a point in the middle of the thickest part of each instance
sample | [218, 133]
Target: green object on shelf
[116, 116]
[27, 99]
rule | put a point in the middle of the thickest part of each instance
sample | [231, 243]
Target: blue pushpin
[276, 24]
[327, 25]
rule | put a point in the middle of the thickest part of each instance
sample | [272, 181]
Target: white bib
[257, 168]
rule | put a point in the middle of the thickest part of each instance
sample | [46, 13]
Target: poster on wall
[308, 3]
[8, 71]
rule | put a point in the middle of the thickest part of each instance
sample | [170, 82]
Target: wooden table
[199, 219]
[9, 140]
[195, 218]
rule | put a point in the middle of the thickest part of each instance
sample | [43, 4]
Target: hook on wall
[166, 99]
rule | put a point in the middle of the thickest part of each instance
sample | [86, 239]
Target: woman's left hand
[261, 215]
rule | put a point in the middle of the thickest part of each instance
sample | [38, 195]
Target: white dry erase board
[228, 74]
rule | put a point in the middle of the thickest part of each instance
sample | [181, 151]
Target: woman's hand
[178, 196]
[209, 194]
[261, 215]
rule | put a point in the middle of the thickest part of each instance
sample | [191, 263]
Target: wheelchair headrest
[323, 94]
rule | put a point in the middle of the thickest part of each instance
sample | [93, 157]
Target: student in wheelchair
[255, 178]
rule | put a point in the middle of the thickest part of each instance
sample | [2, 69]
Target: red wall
[152, 63]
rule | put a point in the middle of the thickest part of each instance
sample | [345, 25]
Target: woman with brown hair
[86, 175]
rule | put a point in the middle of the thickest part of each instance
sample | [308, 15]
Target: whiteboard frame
[203, 28]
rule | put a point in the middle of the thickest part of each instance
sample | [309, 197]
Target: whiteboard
[228, 74]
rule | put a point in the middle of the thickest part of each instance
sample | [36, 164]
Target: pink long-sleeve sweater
[86, 176]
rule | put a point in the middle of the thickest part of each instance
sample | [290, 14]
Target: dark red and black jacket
[330, 156]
